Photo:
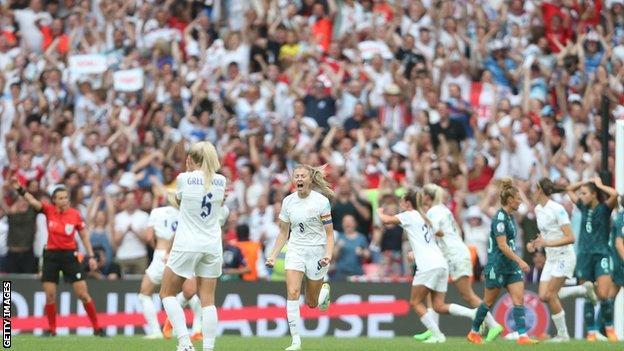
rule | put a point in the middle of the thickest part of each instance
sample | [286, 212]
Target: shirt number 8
[301, 227]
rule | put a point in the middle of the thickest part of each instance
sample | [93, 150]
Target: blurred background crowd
[106, 96]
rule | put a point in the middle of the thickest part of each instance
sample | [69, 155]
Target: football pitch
[236, 343]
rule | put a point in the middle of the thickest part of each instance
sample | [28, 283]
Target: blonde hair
[507, 190]
[419, 196]
[435, 192]
[317, 175]
[204, 154]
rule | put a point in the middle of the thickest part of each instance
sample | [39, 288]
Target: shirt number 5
[206, 206]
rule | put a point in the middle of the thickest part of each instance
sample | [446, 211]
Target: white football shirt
[304, 216]
[421, 238]
[442, 220]
[164, 220]
[550, 218]
[199, 228]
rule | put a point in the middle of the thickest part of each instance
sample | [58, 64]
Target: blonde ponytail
[205, 155]
[507, 190]
[420, 199]
[435, 192]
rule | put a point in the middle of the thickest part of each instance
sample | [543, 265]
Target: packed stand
[106, 97]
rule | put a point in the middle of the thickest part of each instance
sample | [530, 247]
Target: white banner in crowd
[87, 64]
[128, 80]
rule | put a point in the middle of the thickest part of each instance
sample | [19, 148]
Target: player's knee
[545, 296]
[439, 307]
[294, 293]
[311, 304]
[84, 297]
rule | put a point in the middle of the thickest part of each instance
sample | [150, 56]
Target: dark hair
[549, 188]
[507, 190]
[58, 190]
[600, 195]
[242, 232]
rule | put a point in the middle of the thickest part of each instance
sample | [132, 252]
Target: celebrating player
[455, 251]
[557, 238]
[504, 268]
[594, 260]
[431, 275]
[306, 215]
[61, 253]
[162, 225]
[196, 249]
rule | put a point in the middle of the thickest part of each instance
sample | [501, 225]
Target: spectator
[129, 238]
[101, 224]
[349, 202]
[252, 253]
[476, 231]
[350, 251]
[234, 264]
[539, 259]
[22, 226]
[106, 270]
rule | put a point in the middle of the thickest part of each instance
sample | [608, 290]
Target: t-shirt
[348, 262]
[442, 220]
[306, 216]
[62, 226]
[595, 230]
[232, 258]
[131, 246]
[427, 254]
[22, 227]
[199, 229]
[164, 220]
[550, 218]
[320, 109]
[502, 224]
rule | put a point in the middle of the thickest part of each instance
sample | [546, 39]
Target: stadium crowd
[389, 94]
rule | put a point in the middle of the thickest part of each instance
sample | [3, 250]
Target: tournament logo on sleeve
[537, 314]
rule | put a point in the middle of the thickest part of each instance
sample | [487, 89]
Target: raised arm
[387, 219]
[32, 201]
[571, 190]
[612, 199]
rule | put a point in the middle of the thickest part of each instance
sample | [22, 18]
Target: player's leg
[49, 289]
[603, 291]
[149, 311]
[434, 315]
[316, 290]
[418, 297]
[293, 292]
[548, 293]
[464, 287]
[180, 266]
[189, 296]
[207, 288]
[515, 287]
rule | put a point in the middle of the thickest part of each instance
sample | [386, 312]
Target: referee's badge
[69, 229]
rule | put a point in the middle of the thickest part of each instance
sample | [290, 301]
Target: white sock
[292, 312]
[323, 295]
[560, 323]
[195, 306]
[434, 315]
[459, 310]
[209, 326]
[181, 299]
[572, 291]
[429, 322]
[149, 312]
[490, 321]
[176, 317]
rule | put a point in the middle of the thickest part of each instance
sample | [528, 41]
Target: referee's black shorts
[67, 261]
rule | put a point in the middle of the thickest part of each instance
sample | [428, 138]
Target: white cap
[401, 148]
[128, 180]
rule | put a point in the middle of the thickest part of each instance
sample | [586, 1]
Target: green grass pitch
[236, 343]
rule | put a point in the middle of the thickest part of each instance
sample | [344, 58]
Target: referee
[61, 253]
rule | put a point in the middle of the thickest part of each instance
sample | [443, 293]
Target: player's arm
[501, 241]
[150, 237]
[84, 236]
[36, 204]
[571, 190]
[568, 238]
[619, 246]
[328, 225]
[279, 243]
[387, 219]
[612, 199]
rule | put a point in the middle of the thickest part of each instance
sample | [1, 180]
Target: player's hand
[524, 267]
[270, 262]
[530, 247]
[324, 262]
[539, 242]
[92, 263]
[165, 257]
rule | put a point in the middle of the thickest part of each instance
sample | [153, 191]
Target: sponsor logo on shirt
[69, 229]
